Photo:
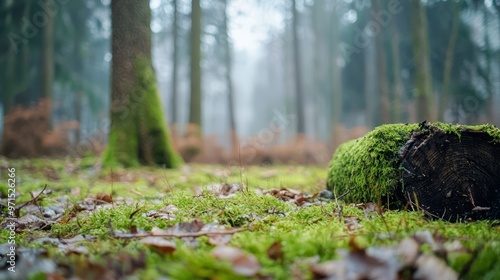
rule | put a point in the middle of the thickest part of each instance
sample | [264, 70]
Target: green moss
[367, 168]
[485, 266]
[304, 232]
[139, 134]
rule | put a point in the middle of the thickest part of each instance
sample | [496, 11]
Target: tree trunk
[488, 50]
[385, 108]
[321, 51]
[229, 83]
[195, 102]
[423, 83]
[299, 98]
[398, 82]
[370, 83]
[448, 171]
[336, 74]
[48, 67]
[175, 66]
[138, 133]
[448, 63]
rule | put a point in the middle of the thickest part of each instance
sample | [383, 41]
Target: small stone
[326, 194]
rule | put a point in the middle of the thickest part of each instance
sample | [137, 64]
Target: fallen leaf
[275, 251]
[169, 209]
[161, 244]
[104, 197]
[193, 226]
[352, 223]
[430, 267]
[408, 250]
[242, 263]
[219, 190]
[38, 193]
[219, 239]
[28, 221]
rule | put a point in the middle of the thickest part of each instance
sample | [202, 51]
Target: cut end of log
[447, 171]
[453, 176]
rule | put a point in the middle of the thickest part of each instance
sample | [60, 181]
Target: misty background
[327, 69]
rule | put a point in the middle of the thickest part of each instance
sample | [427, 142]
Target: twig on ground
[187, 234]
[33, 200]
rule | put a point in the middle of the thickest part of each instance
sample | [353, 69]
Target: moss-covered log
[449, 171]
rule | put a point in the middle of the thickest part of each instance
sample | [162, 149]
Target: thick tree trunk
[195, 102]
[299, 98]
[138, 133]
[448, 171]
[423, 82]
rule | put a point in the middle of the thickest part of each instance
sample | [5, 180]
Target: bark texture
[195, 102]
[138, 132]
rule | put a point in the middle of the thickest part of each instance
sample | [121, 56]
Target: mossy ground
[304, 232]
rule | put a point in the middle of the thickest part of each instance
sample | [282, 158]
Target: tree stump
[448, 171]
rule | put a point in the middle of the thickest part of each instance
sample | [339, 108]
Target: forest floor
[76, 220]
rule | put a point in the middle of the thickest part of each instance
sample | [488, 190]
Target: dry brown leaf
[28, 221]
[242, 263]
[219, 239]
[275, 251]
[104, 197]
[160, 244]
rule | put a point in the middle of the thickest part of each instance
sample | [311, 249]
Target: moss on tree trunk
[138, 132]
[449, 171]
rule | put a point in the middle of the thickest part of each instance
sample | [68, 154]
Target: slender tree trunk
[229, 83]
[320, 68]
[299, 98]
[175, 66]
[424, 94]
[448, 63]
[48, 67]
[398, 82]
[195, 102]
[77, 100]
[487, 46]
[138, 133]
[370, 84]
[336, 84]
[385, 108]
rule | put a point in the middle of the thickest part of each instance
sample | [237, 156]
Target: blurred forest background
[266, 81]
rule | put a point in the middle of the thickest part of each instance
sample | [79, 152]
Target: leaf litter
[390, 262]
[407, 259]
